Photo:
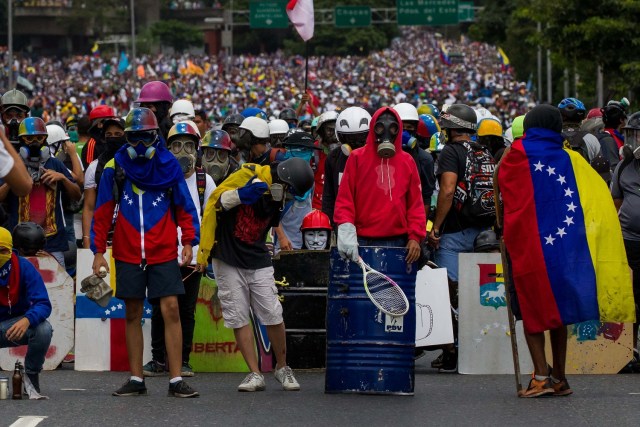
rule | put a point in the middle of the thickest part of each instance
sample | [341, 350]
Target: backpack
[575, 138]
[475, 191]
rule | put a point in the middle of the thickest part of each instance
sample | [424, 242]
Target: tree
[176, 34]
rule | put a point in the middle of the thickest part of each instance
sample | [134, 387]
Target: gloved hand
[348, 241]
[252, 191]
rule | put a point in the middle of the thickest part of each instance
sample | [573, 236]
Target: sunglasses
[177, 145]
[147, 138]
[210, 154]
[30, 139]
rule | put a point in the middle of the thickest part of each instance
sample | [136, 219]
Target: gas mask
[352, 141]
[385, 130]
[35, 152]
[315, 240]
[631, 143]
[329, 137]
[216, 163]
[184, 149]
[234, 133]
[245, 140]
[408, 141]
[13, 126]
[141, 144]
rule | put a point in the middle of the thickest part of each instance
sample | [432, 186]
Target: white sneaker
[252, 382]
[286, 378]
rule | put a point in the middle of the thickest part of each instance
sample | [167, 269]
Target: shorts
[632, 248]
[241, 290]
[153, 282]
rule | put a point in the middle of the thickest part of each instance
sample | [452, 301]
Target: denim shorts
[152, 281]
[452, 244]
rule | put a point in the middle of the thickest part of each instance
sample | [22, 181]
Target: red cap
[102, 112]
[315, 220]
[594, 112]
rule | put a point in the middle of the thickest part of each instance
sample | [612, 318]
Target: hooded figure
[379, 198]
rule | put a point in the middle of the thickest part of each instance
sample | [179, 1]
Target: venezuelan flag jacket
[147, 221]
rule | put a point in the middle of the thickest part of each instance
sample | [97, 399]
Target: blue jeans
[36, 338]
[452, 244]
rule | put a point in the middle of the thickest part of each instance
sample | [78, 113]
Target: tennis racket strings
[386, 294]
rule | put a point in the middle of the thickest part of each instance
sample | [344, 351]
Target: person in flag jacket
[564, 241]
[153, 200]
[24, 308]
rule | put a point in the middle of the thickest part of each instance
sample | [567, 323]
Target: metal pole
[600, 88]
[231, 48]
[539, 67]
[549, 82]
[10, 43]
[133, 37]
[566, 82]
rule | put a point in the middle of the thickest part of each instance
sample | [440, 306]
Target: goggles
[210, 154]
[147, 138]
[13, 113]
[379, 129]
[232, 130]
[177, 145]
[30, 139]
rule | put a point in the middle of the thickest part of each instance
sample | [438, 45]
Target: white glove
[348, 241]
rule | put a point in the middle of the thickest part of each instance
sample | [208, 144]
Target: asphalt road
[440, 399]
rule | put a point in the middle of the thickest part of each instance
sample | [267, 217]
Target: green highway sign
[465, 11]
[352, 16]
[268, 14]
[427, 12]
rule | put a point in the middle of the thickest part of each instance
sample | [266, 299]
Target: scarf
[10, 282]
[159, 173]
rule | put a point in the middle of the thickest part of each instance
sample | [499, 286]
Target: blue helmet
[255, 112]
[572, 110]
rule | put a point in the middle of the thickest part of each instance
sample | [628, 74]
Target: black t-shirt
[424, 163]
[241, 234]
[453, 158]
[333, 168]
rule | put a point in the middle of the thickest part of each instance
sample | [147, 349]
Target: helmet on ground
[316, 220]
[55, 133]
[327, 116]
[216, 139]
[407, 112]
[233, 119]
[297, 173]
[16, 99]
[184, 128]
[353, 120]
[486, 241]
[517, 127]
[257, 126]
[28, 238]
[488, 127]
[278, 126]
[255, 112]
[183, 108]
[139, 119]
[288, 114]
[572, 110]
[32, 126]
[155, 91]
[459, 116]
[427, 126]
[102, 112]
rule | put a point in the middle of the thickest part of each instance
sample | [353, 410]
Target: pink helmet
[155, 91]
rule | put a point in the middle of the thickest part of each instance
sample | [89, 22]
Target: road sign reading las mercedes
[352, 16]
[427, 12]
[268, 14]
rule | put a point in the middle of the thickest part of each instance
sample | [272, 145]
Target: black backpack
[575, 138]
[475, 191]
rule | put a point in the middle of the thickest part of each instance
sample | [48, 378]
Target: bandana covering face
[6, 245]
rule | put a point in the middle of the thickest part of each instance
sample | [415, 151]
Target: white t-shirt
[6, 161]
[193, 190]
[90, 175]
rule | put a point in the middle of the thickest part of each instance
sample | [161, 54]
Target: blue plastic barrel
[369, 352]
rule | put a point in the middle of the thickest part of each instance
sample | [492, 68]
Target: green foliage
[99, 18]
[176, 34]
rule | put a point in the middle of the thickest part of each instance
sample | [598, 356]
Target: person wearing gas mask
[183, 143]
[379, 200]
[231, 125]
[236, 222]
[288, 237]
[424, 161]
[316, 231]
[181, 110]
[253, 142]
[14, 110]
[278, 130]
[114, 140]
[50, 178]
[327, 141]
[352, 128]
[157, 97]
[624, 189]
[147, 184]
[13, 173]
[216, 158]
[95, 146]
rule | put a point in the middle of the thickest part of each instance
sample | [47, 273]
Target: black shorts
[633, 257]
[153, 282]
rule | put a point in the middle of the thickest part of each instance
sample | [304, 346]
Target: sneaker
[187, 370]
[182, 389]
[154, 369]
[419, 354]
[437, 362]
[252, 382]
[538, 388]
[131, 388]
[562, 388]
[286, 378]
[449, 362]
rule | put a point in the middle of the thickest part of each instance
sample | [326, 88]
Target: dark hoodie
[381, 197]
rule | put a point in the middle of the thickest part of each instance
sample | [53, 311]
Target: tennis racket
[383, 292]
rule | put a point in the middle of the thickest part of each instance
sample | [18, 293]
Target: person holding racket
[379, 201]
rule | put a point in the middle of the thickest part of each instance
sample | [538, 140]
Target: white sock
[175, 380]
[541, 377]
[138, 379]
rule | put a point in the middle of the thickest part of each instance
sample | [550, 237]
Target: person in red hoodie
[379, 201]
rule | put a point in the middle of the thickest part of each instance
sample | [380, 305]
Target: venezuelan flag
[504, 59]
[563, 236]
[444, 55]
[95, 49]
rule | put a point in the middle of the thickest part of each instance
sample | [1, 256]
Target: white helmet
[482, 113]
[278, 126]
[353, 120]
[258, 127]
[508, 136]
[327, 116]
[407, 112]
[56, 133]
[182, 110]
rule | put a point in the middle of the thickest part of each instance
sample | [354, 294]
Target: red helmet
[102, 112]
[316, 220]
[155, 91]
[594, 112]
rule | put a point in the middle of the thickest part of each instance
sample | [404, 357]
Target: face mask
[277, 192]
[408, 141]
[214, 165]
[301, 153]
[385, 131]
[35, 153]
[73, 136]
[14, 127]
[244, 140]
[140, 151]
[304, 197]
[115, 142]
[316, 240]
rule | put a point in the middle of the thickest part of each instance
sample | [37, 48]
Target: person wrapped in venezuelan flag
[564, 240]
